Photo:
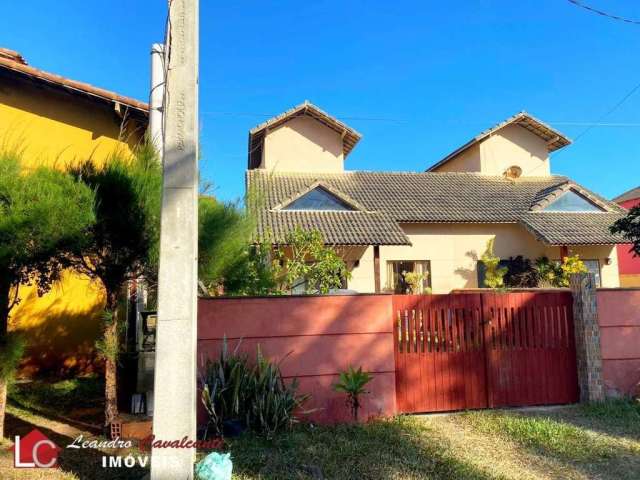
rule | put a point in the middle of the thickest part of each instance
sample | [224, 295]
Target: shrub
[521, 273]
[10, 355]
[353, 382]
[257, 395]
[226, 389]
[273, 403]
[494, 274]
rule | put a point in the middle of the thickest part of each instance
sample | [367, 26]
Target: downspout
[156, 97]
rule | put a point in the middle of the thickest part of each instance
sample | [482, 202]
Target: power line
[604, 14]
[609, 112]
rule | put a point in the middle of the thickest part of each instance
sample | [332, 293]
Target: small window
[594, 267]
[397, 280]
[319, 199]
[571, 201]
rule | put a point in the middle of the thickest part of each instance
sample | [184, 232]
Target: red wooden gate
[462, 351]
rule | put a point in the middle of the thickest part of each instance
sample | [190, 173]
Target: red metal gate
[462, 351]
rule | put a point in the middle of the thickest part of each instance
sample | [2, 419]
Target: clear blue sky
[433, 73]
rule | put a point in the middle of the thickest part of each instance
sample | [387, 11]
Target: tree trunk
[5, 291]
[3, 404]
[110, 367]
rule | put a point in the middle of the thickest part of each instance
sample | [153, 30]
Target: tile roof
[13, 62]
[392, 198]
[628, 195]
[555, 140]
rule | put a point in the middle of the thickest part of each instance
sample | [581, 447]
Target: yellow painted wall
[467, 161]
[303, 145]
[56, 128]
[630, 280]
[453, 250]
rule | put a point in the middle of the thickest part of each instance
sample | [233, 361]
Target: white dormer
[303, 139]
[519, 146]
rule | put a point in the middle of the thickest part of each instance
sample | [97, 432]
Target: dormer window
[319, 199]
[571, 201]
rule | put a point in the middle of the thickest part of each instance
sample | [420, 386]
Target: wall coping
[258, 297]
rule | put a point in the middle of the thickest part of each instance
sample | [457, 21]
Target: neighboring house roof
[392, 198]
[554, 138]
[629, 195]
[13, 62]
[257, 134]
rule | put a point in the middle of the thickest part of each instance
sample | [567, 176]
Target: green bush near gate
[253, 395]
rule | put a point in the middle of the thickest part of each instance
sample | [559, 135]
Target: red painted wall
[319, 336]
[619, 319]
[628, 264]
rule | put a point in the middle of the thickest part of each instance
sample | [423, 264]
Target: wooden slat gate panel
[530, 348]
[439, 352]
[468, 351]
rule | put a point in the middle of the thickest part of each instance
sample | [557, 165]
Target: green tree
[306, 259]
[629, 227]
[122, 244]
[43, 214]
[494, 273]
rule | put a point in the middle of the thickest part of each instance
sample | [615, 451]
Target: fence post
[587, 334]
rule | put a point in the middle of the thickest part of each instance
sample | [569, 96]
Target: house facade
[629, 264]
[436, 223]
[56, 121]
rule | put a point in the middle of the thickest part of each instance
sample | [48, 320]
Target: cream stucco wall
[509, 146]
[514, 145]
[467, 161]
[303, 145]
[453, 250]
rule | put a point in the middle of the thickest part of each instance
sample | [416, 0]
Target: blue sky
[417, 79]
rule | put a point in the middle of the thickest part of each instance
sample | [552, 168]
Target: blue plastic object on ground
[215, 466]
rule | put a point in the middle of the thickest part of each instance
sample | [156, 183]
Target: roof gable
[555, 140]
[319, 198]
[257, 134]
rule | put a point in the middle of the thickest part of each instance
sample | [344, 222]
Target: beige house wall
[467, 161]
[509, 146]
[303, 145]
[453, 250]
[515, 145]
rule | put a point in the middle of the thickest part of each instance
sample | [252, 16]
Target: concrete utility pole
[175, 373]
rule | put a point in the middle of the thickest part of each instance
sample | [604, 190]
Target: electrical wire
[604, 14]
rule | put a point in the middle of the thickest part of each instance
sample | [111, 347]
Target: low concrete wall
[316, 337]
[619, 319]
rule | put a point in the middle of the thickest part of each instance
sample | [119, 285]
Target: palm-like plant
[353, 382]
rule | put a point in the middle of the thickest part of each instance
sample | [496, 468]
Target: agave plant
[274, 402]
[257, 396]
[226, 388]
[353, 382]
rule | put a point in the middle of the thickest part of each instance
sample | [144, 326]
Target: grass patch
[546, 435]
[614, 410]
[58, 398]
[384, 449]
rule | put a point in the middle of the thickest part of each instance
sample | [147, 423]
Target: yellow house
[57, 121]
[498, 186]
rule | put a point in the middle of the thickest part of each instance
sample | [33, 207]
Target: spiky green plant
[353, 383]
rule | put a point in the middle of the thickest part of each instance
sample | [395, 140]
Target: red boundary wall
[619, 319]
[316, 337]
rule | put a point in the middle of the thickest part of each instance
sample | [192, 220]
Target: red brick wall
[619, 319]
[319, 336]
